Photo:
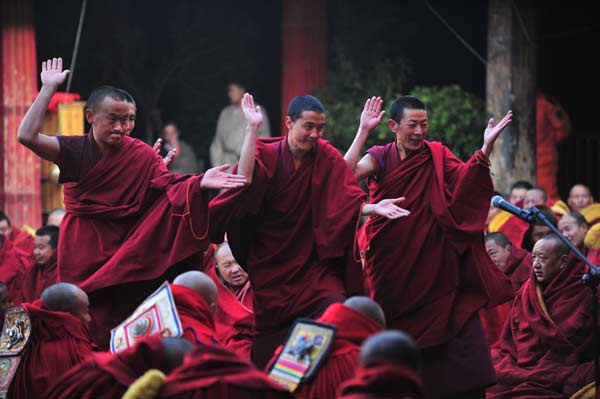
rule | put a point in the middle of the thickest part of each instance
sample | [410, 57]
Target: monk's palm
[252, 112]
[372, 114]
[493, 130]
[52, 73]
[388, 208]
[217, 179]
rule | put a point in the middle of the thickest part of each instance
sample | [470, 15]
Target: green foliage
[349, 84]
[456, 118]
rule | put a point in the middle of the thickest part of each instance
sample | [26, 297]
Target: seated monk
[537, 229]
[20, 238]
[107, 376]
[575, 227]
[13, 263]
[514, 262]
[358, 318]
[59, 340]
[234, 317]
[388, 367]
[55, 217]
[43, 273]
[513, 227]
[196, 297]
[211, 372]
[545, 349]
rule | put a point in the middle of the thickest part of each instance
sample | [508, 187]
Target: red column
[304, 50]
[19, 168]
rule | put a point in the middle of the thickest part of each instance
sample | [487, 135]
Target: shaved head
[580, 196]
[175, 350]
[69, 298]
[368, 308]
[391, 346]
[201, 283]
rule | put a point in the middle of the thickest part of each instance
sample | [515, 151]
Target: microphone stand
[590, 279]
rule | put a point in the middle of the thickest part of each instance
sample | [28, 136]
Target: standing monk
[293, 227]
[128, 220]
[430, 271]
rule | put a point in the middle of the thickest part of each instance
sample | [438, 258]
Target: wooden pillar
[304, 50]
[19, 168]
[511, 84]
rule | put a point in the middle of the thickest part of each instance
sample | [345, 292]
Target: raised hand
[170, 155]
[372, 114]
[492, 132]
[387, 208]
[217, 178]
[52, 73]
[252, 112]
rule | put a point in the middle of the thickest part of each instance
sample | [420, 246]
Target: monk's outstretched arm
[254, 119]
[492, 132]
[369, 120]
[386, 208]
[28, 134]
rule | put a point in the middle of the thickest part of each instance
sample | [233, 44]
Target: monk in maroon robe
[20, 238]
[293, 227]
[356, 320]
[60, 339]
[43, 273]
[196, 297]
[389, 367]
[13, 264]
[213, 372]
[129, 221]
[514, 262]
[107, 375]
[545, 350]
[234, 317]
[436, 255]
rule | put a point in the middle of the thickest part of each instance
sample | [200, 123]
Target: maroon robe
[293, 231]
[58, 342]
[127, 223]
[437, 256]
[383, 381]
[22, 240]
[13, 265]
[106, 375]
[195, 315]
[546, 346]
[234, 318]
[352, 329]
[213, 372]
[518, 267]
[36, 278]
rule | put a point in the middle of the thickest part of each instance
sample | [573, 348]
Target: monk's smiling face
[571, 229]
[110, 122]
[411, 129]
[42, 249]
[304, 132]
[547, 261]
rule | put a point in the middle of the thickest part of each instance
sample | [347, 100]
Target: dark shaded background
[176, 58]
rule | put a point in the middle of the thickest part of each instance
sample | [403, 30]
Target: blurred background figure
[185, 157]
[229, 136]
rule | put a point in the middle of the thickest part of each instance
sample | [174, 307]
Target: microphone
[499, 202]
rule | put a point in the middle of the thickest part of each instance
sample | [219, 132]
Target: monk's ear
[393, 125]
[563, 261]
[509, 248]
[89, 115]
[289, 123]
